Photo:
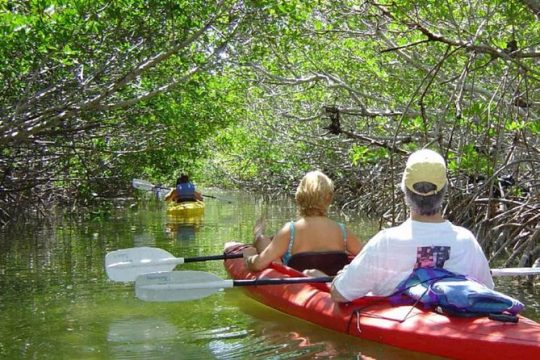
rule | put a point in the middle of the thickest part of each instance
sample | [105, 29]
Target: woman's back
[317, 234]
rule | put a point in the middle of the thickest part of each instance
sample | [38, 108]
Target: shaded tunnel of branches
[350, 90]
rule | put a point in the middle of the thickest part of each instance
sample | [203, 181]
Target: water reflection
[144, 239]
[140, 334]
[56, 301]
[183, 229]
[151, 338]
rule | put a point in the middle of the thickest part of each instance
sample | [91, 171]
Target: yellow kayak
[186, 209]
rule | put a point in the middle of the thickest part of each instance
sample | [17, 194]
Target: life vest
[185, 192]
[454, 294]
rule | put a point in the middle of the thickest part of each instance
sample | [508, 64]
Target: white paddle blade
[162, 192]
[178, 286]
[142, 185]
[523, 271]
[125, 265]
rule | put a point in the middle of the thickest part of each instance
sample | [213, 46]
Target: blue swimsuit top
[287, 256]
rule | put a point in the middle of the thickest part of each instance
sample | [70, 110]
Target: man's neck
[437, 218]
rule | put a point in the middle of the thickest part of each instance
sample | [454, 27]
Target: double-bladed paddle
[191, 285]
[126, 264]
[147, 186]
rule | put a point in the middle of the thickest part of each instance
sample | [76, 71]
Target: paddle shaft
[283, 281]
[213, 257]
[145, 185]
[217, 198]
[324, 279]
[191, 285]
[185, 285]
[523, 271]
[243, 282]
[172, 261]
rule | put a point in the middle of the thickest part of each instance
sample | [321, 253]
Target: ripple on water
[151, 338]
[255, 346]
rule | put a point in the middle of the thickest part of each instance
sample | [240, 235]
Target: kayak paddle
[126, 264]
[215, 197]
[522, 271]
[191, 285]
[147, 186]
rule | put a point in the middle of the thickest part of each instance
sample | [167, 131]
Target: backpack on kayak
[454, 294]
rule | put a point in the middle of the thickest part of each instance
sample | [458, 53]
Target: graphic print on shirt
[431, 256]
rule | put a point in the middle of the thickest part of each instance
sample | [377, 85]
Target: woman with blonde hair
[313, 241]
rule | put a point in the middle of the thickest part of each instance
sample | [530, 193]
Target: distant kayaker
[184, 191]
[426, 239]
[313, 241]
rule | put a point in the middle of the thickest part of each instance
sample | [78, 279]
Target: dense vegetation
[251, 94]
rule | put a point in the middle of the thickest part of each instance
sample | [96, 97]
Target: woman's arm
[171, 195]
[354, 245]
[273, 252]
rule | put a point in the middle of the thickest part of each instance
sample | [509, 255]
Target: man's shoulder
[382, 236]
[398, 229]
[461, 230]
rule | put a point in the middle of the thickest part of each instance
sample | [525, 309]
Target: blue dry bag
[453, 294]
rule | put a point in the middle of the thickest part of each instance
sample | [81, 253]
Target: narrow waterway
[56, 301]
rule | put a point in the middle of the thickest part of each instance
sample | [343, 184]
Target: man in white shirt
[426, 239]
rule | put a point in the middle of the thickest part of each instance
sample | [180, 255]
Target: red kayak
[406, 327]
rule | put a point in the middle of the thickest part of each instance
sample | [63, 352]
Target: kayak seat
[186, 200]
[329, 262]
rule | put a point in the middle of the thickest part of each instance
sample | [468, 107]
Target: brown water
[56, 301]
